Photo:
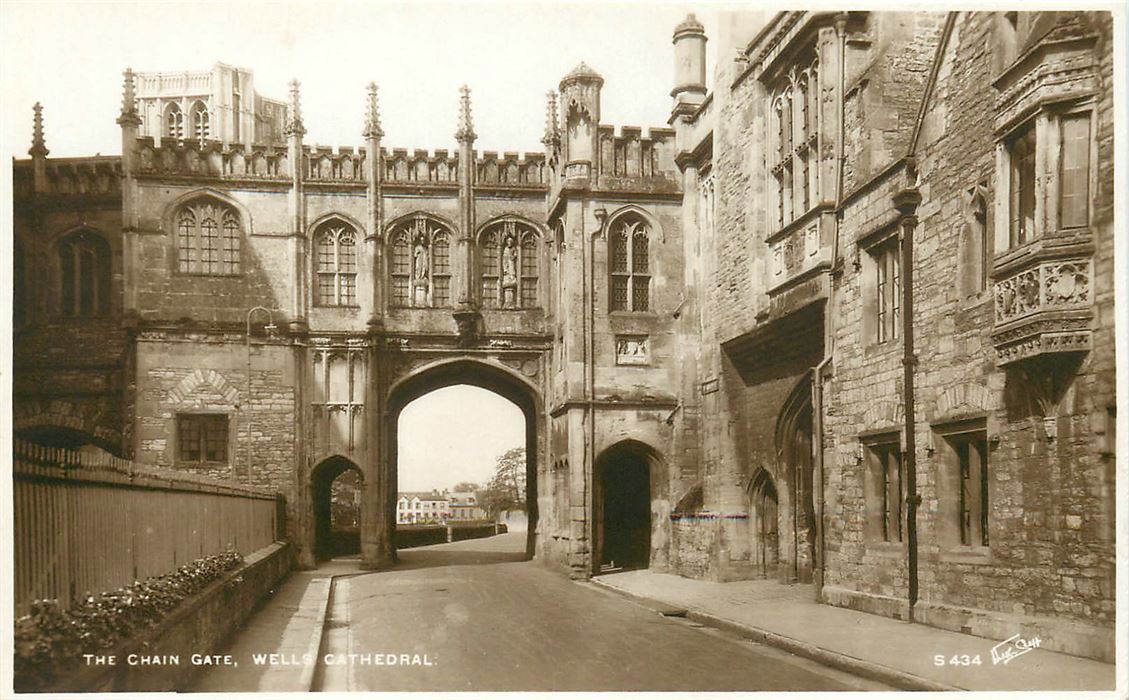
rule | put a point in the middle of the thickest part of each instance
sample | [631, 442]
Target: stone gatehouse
[847, 320]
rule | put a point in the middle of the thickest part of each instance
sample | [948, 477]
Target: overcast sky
[70, 56]
[456, 434]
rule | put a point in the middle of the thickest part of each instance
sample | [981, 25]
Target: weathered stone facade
[705, 325]
[911, 135]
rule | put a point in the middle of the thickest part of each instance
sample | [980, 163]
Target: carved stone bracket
[1045, 308]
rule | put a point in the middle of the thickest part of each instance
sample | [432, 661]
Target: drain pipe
[906, 202]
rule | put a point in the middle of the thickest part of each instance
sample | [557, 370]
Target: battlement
[84, 176]
[625, 151]
[344, 164]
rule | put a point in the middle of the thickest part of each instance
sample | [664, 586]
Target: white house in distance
[420, 507]
[464, 506]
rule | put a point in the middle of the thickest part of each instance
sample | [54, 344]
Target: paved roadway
[485, 620]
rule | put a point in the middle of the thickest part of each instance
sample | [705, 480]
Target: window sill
[886, 347]
[886, 550]
[331, 307]
[225, 275]
[966, 555]
[180, 464]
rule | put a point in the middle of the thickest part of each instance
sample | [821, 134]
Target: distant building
[422, 507]
[219, 104]
[464, 506]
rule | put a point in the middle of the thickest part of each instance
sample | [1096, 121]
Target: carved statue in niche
[420, 270]
[509, 273]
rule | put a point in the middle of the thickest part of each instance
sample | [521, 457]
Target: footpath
[277, 649]
[897, 653]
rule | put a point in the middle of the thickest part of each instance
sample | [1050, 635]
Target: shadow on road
[419, 559]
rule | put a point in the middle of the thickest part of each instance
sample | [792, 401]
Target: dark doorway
[795, 444]
[337, 486]
[624, 518]
[763, 521]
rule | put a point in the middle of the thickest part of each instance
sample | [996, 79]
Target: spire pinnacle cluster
[38, 143]
[466, 124]
[294, 119]
[372, 114]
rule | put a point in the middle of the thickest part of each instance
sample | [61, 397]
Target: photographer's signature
[1013, 647]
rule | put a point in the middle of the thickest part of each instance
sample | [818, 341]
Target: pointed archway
[466, 371]
[622, 502]
[794, 448]
[764, 535]
[336, 485]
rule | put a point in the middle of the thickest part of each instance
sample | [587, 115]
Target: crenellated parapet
[211, 159]
[512, 170]
[419, 166]
[93, 176]
[633, 158]
[323, 164]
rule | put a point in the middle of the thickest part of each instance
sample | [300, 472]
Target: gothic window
[208, 238]
[885, 283]
[201, 127]
[201, 437]
[1074, 175]
[885, 489]
[509, 266]
[84, 261]
[174, 121]
[401, 268]
[420, 264]
[336, 245]
[630, 264]
[1021, 150]
[441, 269]
[962, 484]
[794, 137]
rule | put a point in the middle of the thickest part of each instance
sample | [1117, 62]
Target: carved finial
[129, 100]
[552, 124]
[294, 119]
[372, 115]
[466, 125]
[38, 144]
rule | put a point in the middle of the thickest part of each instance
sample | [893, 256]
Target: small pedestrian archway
[764, 504]
[336, 486]
[475, 372]
[625, 473]
[794, 447]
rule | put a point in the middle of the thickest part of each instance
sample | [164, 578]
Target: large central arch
[482, 373]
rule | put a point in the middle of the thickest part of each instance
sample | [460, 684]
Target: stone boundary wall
[200, 625]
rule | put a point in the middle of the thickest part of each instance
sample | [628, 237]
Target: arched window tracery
[84, 261]
[336, 246]
[630, 264]
[795, 136]
[201, 121]
[509, 266]
[420, 264]
[208, 238]
[174, 121]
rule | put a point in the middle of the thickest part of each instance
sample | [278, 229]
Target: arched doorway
[337, 486]
[794, 446]
[623, 507]
[476, 373]
[763, 524]
[67, 439]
